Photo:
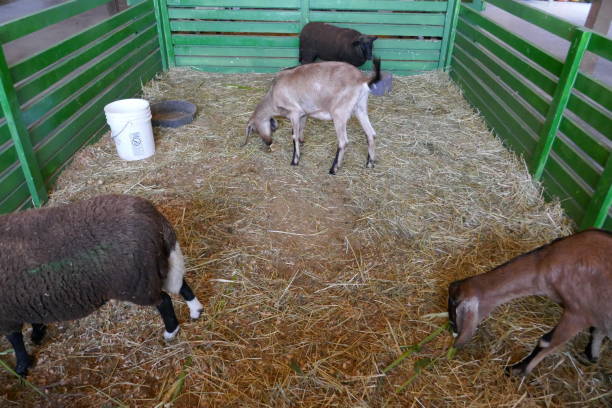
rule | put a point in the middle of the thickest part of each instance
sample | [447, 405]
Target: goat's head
[365, 43]
[464, 311]
[263, 126]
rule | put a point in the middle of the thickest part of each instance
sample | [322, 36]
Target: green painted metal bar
[20, 136]
[165, 23]
[23, 26]
[601, 45]
[561, 96]
[598, 208]
[379, 18]
[379, 5]
[242, 15]
[448, 37]
[478, 5]
[304, 12]
[236, 3]
[160, 34]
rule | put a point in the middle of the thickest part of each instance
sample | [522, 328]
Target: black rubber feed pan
[172, 113]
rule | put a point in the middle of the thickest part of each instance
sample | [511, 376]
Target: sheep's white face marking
[169, 336]
[195, 308]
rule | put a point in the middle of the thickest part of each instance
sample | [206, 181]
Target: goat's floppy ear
[249, 130]
[357, 42]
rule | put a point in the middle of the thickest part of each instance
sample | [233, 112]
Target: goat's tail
[377, 75]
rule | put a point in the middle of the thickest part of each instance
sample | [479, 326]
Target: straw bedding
[313, 283]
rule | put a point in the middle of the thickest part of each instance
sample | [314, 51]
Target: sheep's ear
[249, 130]
[357, 43]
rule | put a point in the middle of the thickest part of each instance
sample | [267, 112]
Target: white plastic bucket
[130, 123]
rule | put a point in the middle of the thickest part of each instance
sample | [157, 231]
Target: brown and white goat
[575, 272]
[325, 90]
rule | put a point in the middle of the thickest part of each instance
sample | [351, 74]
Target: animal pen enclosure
[315, 283]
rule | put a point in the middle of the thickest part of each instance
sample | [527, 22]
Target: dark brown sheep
[331, 43]
[63, 263]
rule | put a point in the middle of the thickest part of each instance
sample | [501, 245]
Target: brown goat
[575, 272]
[325, 90]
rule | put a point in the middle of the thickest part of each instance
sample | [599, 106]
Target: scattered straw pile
[313, 283]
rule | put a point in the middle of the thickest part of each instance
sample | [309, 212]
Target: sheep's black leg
[38, 333]
[24, 360]
[334, 167]
[166, 310]
[195, 307]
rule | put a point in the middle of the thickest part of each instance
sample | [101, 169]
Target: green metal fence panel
[545, 109]
[254, 36]
[54, 100]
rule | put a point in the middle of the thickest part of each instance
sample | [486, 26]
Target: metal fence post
[161, 34]
[448, 36]
[548, 133]
[597, 211]
[304, 12]
[19, 135]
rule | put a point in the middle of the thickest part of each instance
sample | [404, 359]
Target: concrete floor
[575, 13]
[40, 40]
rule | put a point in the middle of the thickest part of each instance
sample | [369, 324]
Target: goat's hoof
[332, 171]
[195, 308]
[294, 163]
[370, 165]
[586, 358]
[516, 370]
[22, 368]
[170, 336]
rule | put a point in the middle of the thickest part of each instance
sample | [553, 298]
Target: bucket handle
[121, 131]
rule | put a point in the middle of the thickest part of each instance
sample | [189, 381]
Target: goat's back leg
[302, 126]
[296, 120]
[166, 310]
[38, 333]
[23, 359]
[195, 307]
[361, 111]
[593, 349]
[567, 328]
[340, 126]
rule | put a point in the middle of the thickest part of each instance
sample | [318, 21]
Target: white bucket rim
[132, 106]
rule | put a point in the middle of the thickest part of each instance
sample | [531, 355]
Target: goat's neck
[515, 279]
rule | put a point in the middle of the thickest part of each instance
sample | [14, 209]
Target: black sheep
[63, 263]
[331, 43]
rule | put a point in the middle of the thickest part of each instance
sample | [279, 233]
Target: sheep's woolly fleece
[312, 283]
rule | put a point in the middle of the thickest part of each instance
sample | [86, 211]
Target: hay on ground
[313, 283]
